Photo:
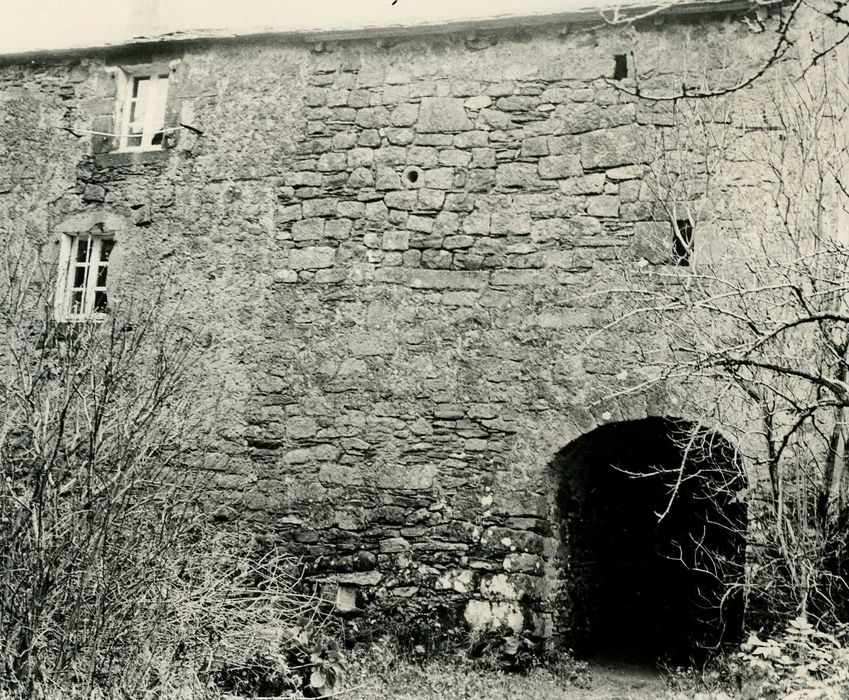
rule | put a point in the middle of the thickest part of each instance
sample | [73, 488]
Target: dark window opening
[620, 70]
[683, 242]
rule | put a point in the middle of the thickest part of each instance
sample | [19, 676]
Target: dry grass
[376, 674]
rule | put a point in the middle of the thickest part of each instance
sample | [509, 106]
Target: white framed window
[81, 293]
[142, 118]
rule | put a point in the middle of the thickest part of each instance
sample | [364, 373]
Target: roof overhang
[598, 13]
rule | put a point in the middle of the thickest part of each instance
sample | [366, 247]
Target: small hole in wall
[620, 69]
[413, 176]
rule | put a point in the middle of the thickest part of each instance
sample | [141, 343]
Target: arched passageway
[638, 586]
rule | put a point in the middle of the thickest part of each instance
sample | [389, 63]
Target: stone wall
[396, 243]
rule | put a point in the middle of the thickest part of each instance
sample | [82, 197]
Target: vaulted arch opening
[653, 541]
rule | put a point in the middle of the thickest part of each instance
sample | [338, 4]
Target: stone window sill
[119, 158]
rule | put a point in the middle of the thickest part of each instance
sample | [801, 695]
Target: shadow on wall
[638, 586]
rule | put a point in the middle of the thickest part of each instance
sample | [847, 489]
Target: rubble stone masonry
[396, 241]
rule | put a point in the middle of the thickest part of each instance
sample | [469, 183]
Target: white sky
[27, 25]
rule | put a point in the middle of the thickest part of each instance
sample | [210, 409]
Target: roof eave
[582, 16]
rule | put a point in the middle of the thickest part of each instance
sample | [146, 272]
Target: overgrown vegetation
[113, 582]
[751, 333]
[385, 669]
[799, 662]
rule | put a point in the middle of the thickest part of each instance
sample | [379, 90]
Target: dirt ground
[607, 681]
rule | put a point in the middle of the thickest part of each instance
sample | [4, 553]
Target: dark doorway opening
[640, 587]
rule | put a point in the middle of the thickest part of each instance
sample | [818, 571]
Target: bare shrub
[98, 439]
[240, 618]
[752, 332]
[112, 581]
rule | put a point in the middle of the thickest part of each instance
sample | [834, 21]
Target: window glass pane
[136, 116]
[142, 93]
[106, 249]
[101, 276]
[76, 302]
[158, 99]
[139, 84]
[101, 305]
[154, 113]
[79, 276]
[83, 245]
